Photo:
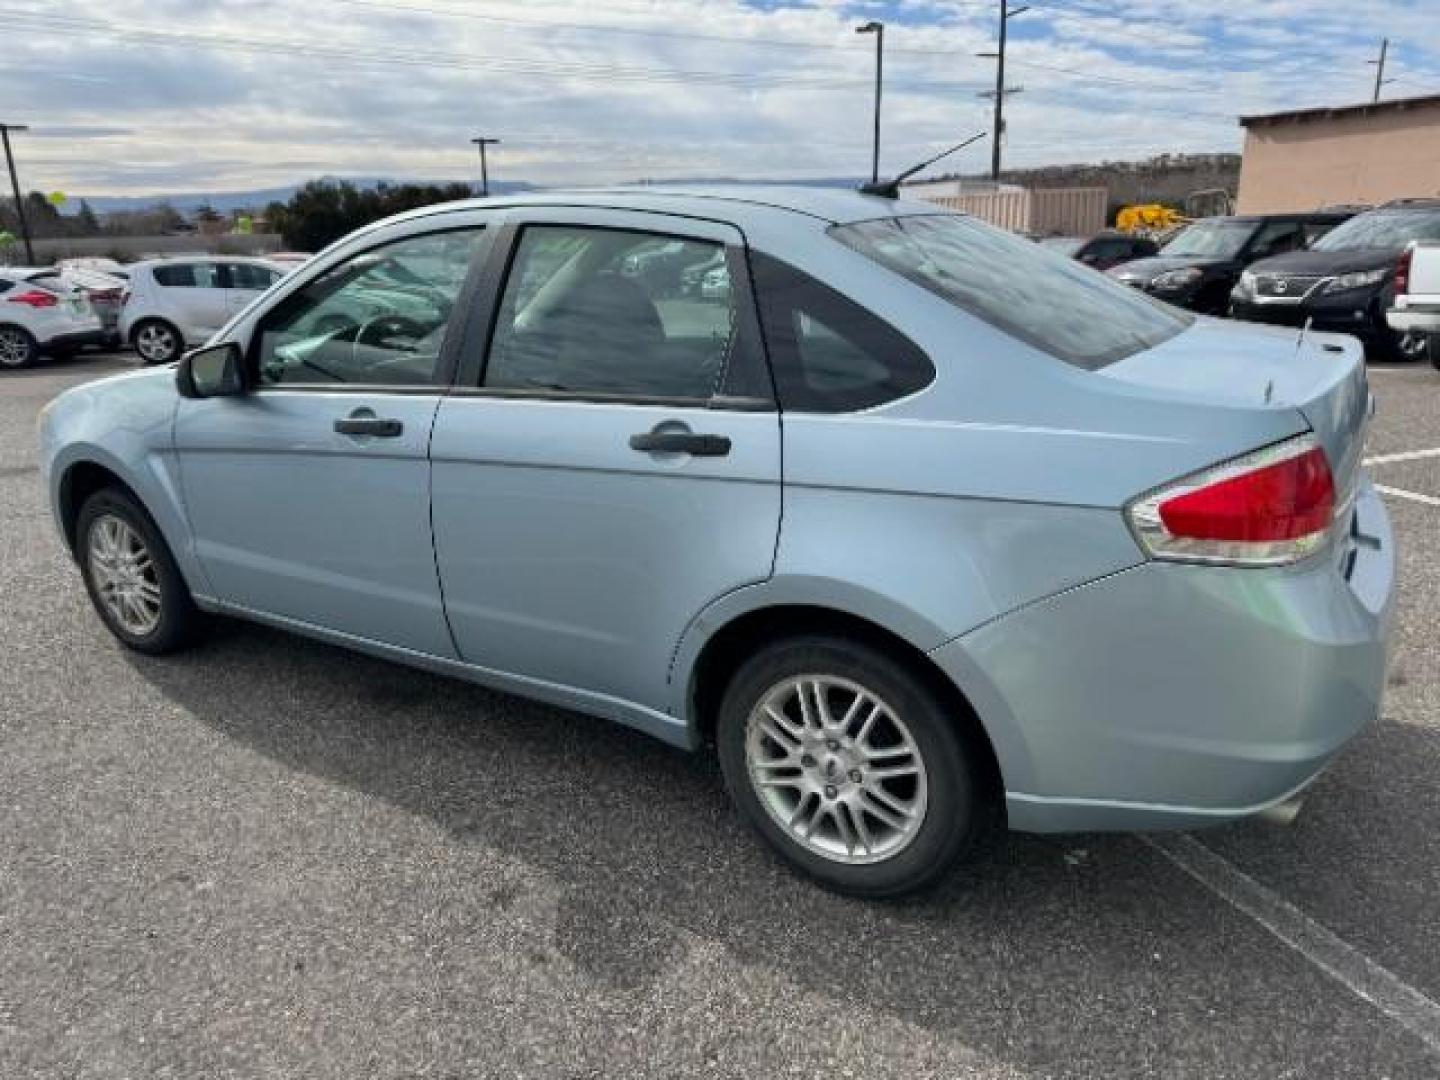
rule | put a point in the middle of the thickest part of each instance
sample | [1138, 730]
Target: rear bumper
[1172, 695]
[1422, 317]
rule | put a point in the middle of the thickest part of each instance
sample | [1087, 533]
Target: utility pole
[483, 142]
[1379, 66]
[878, 29]
[1001, 90]
[5, 130]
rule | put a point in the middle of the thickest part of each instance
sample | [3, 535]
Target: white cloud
[141, 95]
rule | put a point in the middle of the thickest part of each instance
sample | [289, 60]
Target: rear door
[194, 295]
[244, 282]
[610, 463]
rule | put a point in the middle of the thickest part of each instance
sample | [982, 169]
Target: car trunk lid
[1322, 376]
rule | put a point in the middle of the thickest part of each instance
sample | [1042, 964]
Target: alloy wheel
[836, 767]
[123, 573]
[156, 343]
[1413, 345]
[14, 348]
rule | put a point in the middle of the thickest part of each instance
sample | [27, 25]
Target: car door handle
[680, 442]
[359, 424]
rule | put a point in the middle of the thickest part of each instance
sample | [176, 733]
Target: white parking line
[1413, 496]
[1342, 962]
[1408, 455]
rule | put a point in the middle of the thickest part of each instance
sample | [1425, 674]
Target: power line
[153, 36]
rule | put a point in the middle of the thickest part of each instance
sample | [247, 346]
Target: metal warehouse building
[1309, 158]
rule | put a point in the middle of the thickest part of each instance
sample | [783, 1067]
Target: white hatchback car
[173, 303]
[40, 318]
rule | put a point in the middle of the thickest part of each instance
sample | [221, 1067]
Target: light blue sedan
[919, 526]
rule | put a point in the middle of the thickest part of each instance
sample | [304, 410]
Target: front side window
[1055, 305]
[613, 312]
[379, 318]
[1276, 238]
[188, 276]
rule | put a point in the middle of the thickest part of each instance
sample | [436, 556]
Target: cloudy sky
[135, 96]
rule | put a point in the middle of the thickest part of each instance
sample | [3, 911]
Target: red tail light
[1274, 506]
[1402, 271]
[36, 298]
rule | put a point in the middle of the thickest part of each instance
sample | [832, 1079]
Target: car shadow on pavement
[1076, 956]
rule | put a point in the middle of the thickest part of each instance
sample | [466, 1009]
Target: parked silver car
[919, 525]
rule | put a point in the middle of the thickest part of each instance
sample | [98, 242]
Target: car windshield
[1391, 229]
[1222, 239]
[1064, 245]
[1051, 303]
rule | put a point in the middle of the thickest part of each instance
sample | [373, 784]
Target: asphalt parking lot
[272, 858]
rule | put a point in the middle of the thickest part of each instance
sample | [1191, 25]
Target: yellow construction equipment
[1149, 218]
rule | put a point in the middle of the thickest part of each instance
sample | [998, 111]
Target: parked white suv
[36, 318]
[1416, 307]
[173, 303]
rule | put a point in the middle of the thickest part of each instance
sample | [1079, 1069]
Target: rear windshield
[1052, 303]
[1382, 229]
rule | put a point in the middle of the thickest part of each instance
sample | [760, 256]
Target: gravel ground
[272, 858]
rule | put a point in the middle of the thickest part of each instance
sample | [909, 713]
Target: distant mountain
[225, 202]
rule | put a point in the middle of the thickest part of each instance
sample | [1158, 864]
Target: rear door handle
[681, 442]
[365, 422]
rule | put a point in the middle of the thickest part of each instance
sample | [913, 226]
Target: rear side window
[188, 276]
[1055, 305]
[828, 353]
[251, 277]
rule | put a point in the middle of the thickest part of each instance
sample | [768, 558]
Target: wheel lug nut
[831, 744]
[829, 791]
[855, 776]
[807, 760]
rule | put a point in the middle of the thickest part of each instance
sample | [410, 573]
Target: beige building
[1364, 154]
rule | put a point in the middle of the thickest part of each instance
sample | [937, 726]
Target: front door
[615, 466]
[309, 497]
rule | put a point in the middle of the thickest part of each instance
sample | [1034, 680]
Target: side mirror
[214, 371]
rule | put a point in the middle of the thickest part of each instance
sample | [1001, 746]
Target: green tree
[323, 211]
[86, 219]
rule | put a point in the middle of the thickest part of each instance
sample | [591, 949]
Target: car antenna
[890, 189]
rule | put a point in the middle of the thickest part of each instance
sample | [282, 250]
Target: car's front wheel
[131, 576]
[157, 342]
[17, 347]
[849, 765]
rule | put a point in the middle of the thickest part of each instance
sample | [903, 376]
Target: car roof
[728, 202]
[189, 260]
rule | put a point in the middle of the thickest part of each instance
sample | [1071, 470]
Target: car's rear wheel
[157, 342]
[131, 576]
[1413, 346]
[848, 765]
[17, 347]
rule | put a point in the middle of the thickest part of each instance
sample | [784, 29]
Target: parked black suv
[1346, 281]
[1199, 268]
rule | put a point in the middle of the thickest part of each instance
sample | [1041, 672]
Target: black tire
[954, 814]
[1435, 351]
[17, 347]
[157, 341]
[179, 621]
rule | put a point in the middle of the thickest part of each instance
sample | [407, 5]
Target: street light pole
[878, 29]
[483, 142]
[5, 130]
